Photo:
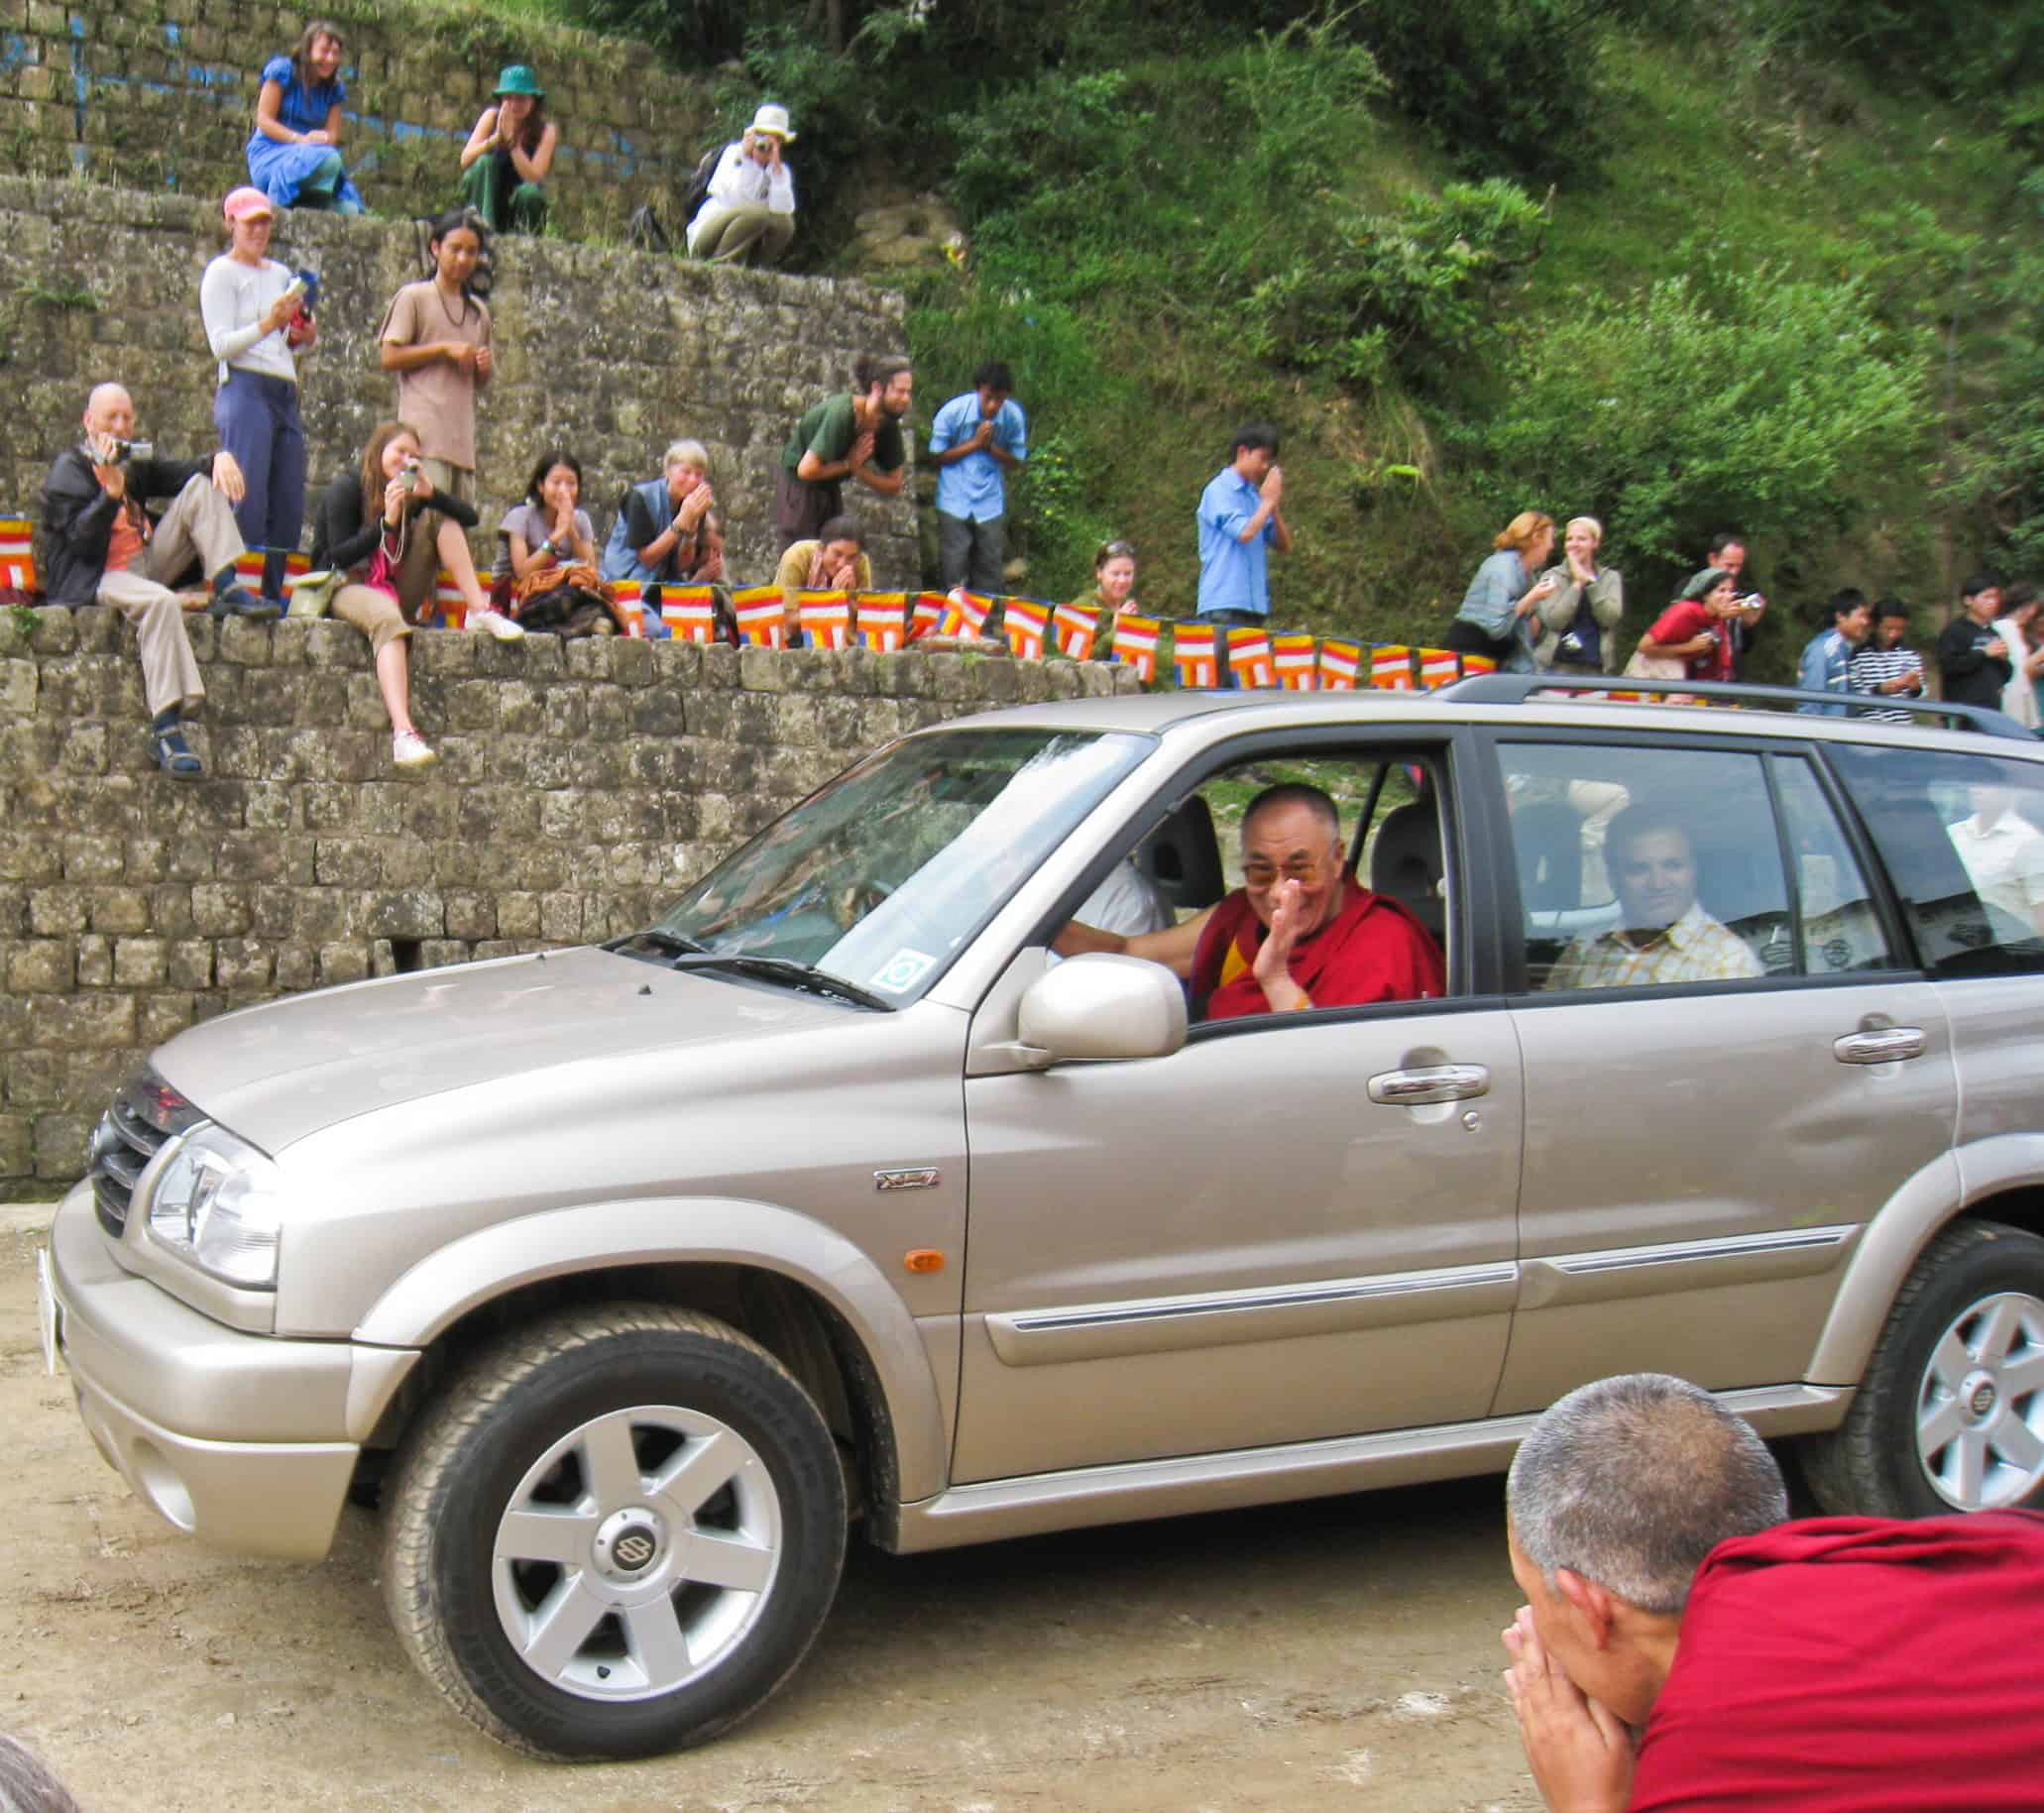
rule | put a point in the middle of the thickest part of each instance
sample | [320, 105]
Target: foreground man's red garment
[1859, 1665]
[1372, 950]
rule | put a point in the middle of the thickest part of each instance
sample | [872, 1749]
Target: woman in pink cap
[257, 320]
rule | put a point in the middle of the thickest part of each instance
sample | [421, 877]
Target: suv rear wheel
[1950, 1414]
[614, 1533]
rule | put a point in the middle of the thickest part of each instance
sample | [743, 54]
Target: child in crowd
[294, 155]
[255, 317]
[360, 531]
[508, 155]
[435, 337]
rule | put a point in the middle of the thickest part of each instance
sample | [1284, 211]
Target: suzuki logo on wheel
[635, 1550]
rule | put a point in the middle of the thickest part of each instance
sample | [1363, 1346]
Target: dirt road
[1319, 1656]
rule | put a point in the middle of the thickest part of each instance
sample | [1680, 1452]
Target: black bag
[1582, 643]
[569, 611]
[698, 190]
[1464, 638]
[644, 233]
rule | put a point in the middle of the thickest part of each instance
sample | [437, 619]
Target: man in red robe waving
[1301, 932]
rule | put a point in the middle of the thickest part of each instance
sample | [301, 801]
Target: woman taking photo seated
[508, 155]
[1494, 619]
[547, 531]
[294, 155]
[359, 533]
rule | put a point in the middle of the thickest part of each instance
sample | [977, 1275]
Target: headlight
[218, 1202]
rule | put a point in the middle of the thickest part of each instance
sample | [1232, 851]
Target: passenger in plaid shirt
[1664, 936]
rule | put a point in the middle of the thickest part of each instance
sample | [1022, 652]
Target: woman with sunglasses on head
[1114, 580]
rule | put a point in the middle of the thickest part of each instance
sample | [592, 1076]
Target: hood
[277, 1073]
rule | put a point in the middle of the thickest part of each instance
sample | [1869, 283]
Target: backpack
[698, 190]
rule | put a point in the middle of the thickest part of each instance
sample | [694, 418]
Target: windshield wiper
[786, 971]
[670, 944]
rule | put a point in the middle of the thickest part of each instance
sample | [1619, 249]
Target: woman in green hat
[508, 155]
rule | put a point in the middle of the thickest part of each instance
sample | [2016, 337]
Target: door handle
[1437, 1082]
[1887, 1046]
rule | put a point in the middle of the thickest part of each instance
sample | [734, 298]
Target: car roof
[1217, 716]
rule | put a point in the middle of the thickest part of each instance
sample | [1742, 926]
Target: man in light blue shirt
[1239, 523]
[1828, 656]
[975, 438]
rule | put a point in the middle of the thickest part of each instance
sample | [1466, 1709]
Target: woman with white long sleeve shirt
[253, 318]
[751, 199]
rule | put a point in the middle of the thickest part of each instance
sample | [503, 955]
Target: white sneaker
[498, 625]
[408, 749]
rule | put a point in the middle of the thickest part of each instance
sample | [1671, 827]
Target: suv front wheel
[615, 1533]
[1950, 1416]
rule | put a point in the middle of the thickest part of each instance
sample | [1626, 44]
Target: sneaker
[408, 749]
[498, 625]
[173, 754]
[239, 601]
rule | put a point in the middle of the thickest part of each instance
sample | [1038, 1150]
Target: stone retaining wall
[580, 786]
[163, 97]
[610, 354]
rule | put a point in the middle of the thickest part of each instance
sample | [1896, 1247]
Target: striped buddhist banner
[762, 616]
[1478, 664]
[1074, 629]
[1391, 668]
[18, 554]
[1438, 667]
[1249, 657]
[965, 613]
[1292, 657]
[1192, 654]
[1027, 618]
[880, 617]
[448, 603]
[689, 613]
[1340, 663]
[826, 617]
[927, 616]
[1135, 645]
[248, 566]
[627, 597]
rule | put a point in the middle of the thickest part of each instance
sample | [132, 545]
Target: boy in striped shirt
[1886, 663]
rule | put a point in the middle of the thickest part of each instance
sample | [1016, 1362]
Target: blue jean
[257, 419]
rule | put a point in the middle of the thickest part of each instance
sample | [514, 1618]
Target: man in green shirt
[857, 435]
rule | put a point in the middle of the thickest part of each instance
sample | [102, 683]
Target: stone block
[43, 966]
[560, 918]
[343, 961]
[297, 968]
[57, 910]
[189, 962]
[347, 863]
[170, 908]
[33, 1079]
[120, 909]
[164, 1015]
[89, 1020]
[763, 670]
[61, 1144]
[141, 962]
[93, 961]
[240, 965]
[406, 913]
[219, 909]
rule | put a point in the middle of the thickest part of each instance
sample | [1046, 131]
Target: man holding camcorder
[101, 546]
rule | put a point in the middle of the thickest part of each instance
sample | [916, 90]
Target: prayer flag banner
[965, 613]
[248, 567]
[1391, 668]
[1438, 667]
[1026, 620]
[1074, 629]
[18, 554]
[1478, 664]
[1339, 664]
[926, 615]
[1292, 657]
[1192, 653]
[448, 601]
[1249, 657]
[627, 597]
[880, 619]
[826, 616]
[1135, 645]
[762, 616]
[689, 613]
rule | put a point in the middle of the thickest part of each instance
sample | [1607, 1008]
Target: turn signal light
[923, 1259]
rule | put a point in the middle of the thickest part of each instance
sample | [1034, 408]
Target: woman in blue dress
[294, 152]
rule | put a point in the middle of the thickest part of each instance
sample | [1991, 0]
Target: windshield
[884, 875]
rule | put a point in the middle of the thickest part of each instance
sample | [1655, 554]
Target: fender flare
[467, 1273]
[1897, 1236]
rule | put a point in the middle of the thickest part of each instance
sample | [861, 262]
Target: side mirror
[1103, 1007]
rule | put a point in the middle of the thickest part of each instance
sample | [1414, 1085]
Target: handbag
[1582, 643]
[565, 600]
[1657, 667]
[313, 595]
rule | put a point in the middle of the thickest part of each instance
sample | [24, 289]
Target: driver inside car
[1301, 932]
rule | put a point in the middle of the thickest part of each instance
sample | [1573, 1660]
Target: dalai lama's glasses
[1305, 871]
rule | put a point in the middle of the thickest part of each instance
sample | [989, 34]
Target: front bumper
[246, 1441]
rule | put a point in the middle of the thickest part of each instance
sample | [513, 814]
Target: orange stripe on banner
[1077, 630]
[826, 617]
[1192, 655]
[882, 620]
[926, 615]
[1340, 663]
[1293, 656]
[1438, 667]
[1249, 657]
[1026, 620]
[1391, 668]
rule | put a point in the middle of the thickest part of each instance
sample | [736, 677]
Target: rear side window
[1837, 927]
[1963, 839]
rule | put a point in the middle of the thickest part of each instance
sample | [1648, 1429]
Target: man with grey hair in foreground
[1685, 1646]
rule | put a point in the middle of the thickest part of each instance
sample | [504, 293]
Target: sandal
[173, 754]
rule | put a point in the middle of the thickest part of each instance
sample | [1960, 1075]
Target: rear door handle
[1437, 1082]
[1888, 1045]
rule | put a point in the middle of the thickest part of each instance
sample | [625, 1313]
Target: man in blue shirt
[1827, 656]
[1239, 523]
[975, 438]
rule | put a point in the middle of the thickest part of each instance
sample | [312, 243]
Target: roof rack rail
[1513, 689]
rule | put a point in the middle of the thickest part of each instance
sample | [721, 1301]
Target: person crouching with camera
[100, 545]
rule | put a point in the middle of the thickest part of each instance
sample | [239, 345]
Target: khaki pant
[728, 235]
[200, 526]
[418, 567]
[372, 612]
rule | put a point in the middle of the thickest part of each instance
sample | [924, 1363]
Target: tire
[1950, 1416]
[614, 1534]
